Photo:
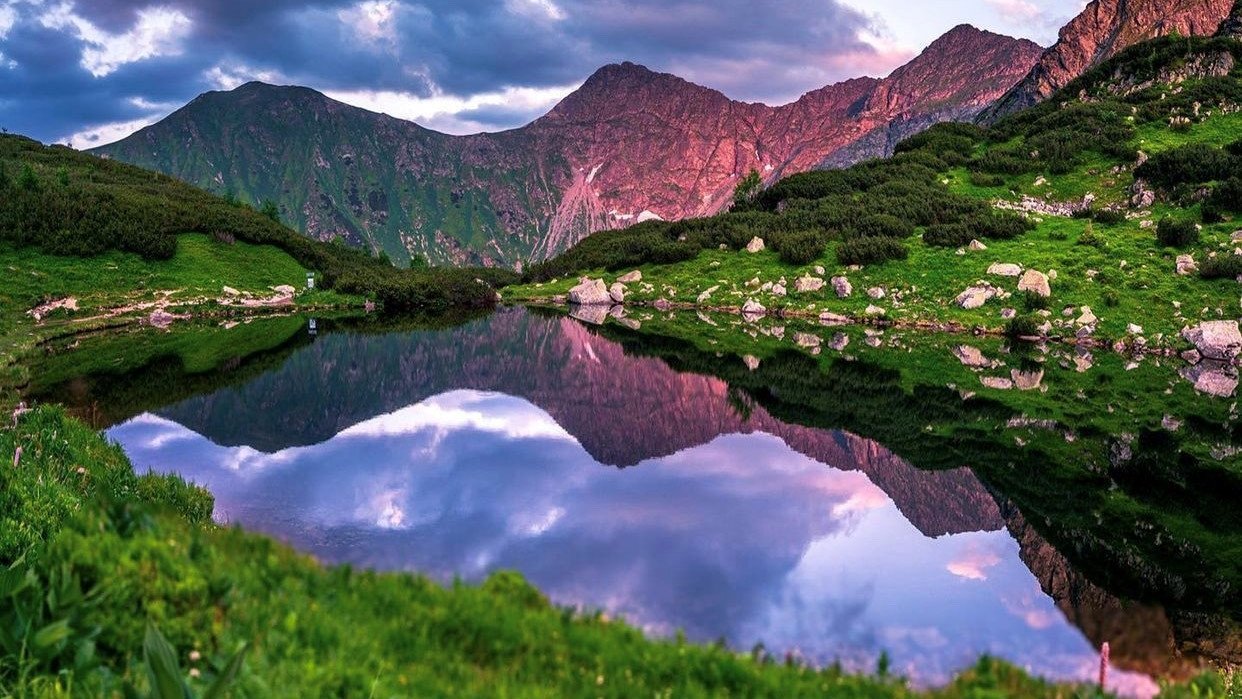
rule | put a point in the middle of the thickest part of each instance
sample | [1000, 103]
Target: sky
[88, 72]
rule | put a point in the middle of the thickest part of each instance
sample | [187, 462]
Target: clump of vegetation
[800, 248]
[1022, 326]
[1221, 267]
[869, 251]
[1176, 233]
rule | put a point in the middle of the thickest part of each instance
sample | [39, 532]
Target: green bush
[1109, 217]
[1221, 267]
[948, 235]
[800, 248]
[1174, 233]
[1195, 163]
[867, 251]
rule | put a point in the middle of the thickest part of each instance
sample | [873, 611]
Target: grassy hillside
[95, 553]
[71, 204]
[1052, 189]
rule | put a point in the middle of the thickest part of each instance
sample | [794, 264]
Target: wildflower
[20, 410]
[17, 457]
[195, 673]
[81, 470]
[195, 656]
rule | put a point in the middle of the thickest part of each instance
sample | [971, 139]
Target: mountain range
[629, 145]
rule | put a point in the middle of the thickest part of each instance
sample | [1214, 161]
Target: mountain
[629, 145]
[1103, 29]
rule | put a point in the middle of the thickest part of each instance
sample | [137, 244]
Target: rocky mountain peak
[1232, 26]
[1103, 29]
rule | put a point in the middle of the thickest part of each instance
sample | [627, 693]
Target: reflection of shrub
[1032, 301]
[1176, 234]
[866, 251]
[1022, 326]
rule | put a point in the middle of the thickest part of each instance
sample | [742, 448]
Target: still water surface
[614, 482]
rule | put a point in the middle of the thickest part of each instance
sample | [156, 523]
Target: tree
[746, 190]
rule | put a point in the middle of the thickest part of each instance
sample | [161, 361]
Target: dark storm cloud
[770, 50]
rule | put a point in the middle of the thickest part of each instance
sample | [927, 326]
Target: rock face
[1216, 339]
[629, 145]
[1103, 29]
[1232, 26]
[590, 292]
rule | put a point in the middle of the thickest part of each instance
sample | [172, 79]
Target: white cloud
[8, 17]
[445, 112]
[1016, 10]
[101, 134]
[372, 22]
[158, 31]
[537, 9]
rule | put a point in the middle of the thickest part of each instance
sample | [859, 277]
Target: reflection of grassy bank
[1146, 512]
[108, 551]
[108, 377]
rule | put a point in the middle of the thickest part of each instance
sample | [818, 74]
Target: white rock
[590, 292]
[755, 244]
[1036, 282]
[617, 292]
[1005, 269]
[631, 277]
[808, 284]
[842, 287]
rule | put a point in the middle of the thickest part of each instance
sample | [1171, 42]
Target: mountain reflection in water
[741, 538]
[493, 445]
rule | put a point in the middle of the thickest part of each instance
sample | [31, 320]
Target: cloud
[485, 111]
[973, 562]
[1016, 10]
[157, 31]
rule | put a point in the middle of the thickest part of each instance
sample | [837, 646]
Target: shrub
[866, 251]
[1111, 298]
[1221, 267]
[1032, 301]
[947, 235]
[981, 179]
[1109, 217]
[1227, 196]
[799, 248]
[1089, 238]
[1177, 234]
[881, 226]
[1191, 164]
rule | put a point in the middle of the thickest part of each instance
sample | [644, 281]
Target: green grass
[108, 552]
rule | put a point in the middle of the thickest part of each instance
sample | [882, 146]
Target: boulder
[975, 296]
[662, 305]
[977, 246]
[230, 291]
[590, 292]
[808, 284]
[1186, 265]
[842, 287]
[876, 292]
[751, 362]
[707, 294]
[1035, 282]
[874, 310]
[779, 290]
[1213, 378]
[284, 290]
[1216, 339]
[753, 308]
[617, 292]
[755, 244]
[631, 277]
[1087, 317]
[829, 318]
[971, 357]
[1134, 329]
[839, 342]
[1004, 269]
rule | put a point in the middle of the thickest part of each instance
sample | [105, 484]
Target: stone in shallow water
[1216, 339]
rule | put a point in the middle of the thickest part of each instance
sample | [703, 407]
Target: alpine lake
[848, 494]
